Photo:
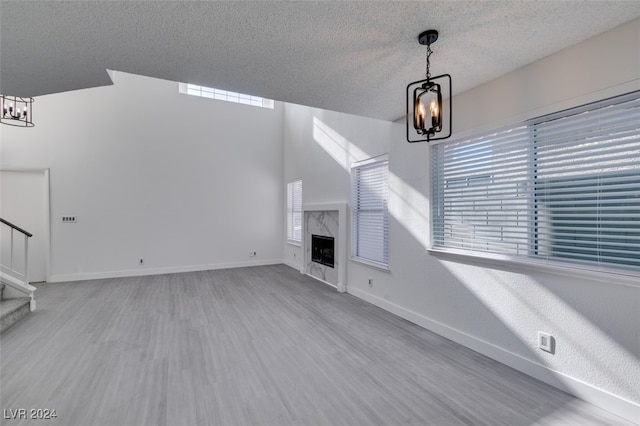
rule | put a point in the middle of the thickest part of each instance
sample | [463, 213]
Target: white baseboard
[159, 271]
[624, 408]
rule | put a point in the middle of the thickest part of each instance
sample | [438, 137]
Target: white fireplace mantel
[341, 243]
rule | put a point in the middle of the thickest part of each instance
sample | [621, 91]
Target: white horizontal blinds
[294, 211]
[370, 198]
[482, 193]
[224, 95]
[588, 184]
[561, 188]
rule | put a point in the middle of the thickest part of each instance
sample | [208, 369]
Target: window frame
[225, 95]
[381, 262]
[568, 264]
[294, 208]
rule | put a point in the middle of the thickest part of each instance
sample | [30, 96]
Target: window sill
[294, 243]
[371, 264]
[502, 262]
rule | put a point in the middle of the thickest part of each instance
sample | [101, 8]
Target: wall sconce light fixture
[429, 101]
[16, 111]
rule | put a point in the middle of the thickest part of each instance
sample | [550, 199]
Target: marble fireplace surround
[320, 219]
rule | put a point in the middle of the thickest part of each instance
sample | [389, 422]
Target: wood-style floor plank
[254, 346]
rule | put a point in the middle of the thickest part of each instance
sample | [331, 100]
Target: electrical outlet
[546, 342]
[370, 282]
[252, 254]
[141, 262]
[69, 219]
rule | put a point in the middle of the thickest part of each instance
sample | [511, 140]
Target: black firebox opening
[322, 249]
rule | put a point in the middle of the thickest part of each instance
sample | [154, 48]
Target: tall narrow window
[563, 189]
[370, 221]
[294, 212]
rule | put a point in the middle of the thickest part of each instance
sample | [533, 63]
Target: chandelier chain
[429, 53]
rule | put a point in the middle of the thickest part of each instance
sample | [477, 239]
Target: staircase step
[12, 310]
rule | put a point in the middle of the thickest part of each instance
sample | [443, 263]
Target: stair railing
[22, 276]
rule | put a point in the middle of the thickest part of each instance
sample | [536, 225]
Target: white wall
[183, 182]
[24, 201]
[495, 309]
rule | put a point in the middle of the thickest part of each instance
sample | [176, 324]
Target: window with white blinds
[370, 213]
[562, 188]
[294, 212]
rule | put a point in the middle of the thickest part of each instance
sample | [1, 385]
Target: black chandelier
[16, 111]
[429, 101]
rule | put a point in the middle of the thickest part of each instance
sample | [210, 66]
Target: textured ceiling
[348, 56]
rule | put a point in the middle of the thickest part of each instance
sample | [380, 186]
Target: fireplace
[325, 243]
[322, 250]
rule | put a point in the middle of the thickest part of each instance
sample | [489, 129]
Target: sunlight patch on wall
[337, 146]
[409, 207]
[520, 302]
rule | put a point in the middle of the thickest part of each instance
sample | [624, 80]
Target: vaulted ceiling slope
[354, 57]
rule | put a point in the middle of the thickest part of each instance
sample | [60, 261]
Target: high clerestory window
[224, 95]
[560, 189]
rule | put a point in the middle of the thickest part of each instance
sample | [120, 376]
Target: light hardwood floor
[254, 346]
